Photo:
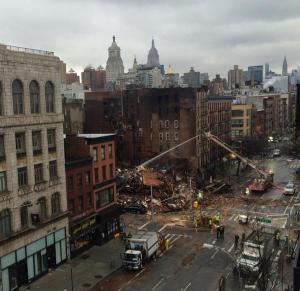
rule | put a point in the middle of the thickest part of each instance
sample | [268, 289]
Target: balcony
[40, 186]
[24, 190]
[54, 181]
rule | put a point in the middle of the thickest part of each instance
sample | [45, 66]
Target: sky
[210, 35]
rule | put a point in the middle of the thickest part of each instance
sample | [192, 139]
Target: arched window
[49, 94]
[5, 223]
[34, 91]
[24, 214]
[55, 203]
[18, 97]
[43, 208]
[1, 99]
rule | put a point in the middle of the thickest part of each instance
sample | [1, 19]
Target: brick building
[33, 206]
[72, 77]
[219, 124]
[91, 189]
[93, 79]
[73, 110]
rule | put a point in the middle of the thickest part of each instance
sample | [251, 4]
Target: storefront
[33, 260]
[83, 235]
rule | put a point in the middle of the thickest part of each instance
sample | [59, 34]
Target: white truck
[140, 247]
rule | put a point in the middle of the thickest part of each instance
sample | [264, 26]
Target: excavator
[258, 185]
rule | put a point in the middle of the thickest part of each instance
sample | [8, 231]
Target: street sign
[264, 219]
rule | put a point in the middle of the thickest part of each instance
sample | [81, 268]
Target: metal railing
[29, 50]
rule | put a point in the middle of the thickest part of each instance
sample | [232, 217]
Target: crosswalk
[173, 237]
[294, 165]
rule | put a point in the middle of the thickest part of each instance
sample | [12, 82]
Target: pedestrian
[236, 240]
[222, 228]
[218, 231]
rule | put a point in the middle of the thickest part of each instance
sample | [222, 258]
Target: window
[79, 180]
[37, 142]
[55, 203]
[248, 112]
[237, 113]
[1, 100]
[95, 154]
[161, 136]
[17, 94]
[88, 178]
[71, 206]
[2, 147]
[166, 123]
[96, 173]
[49, 95]
[70, 183]
[104, 197]
[80, 203]
[167, 136]
[22, 177]
[20, 144]
[176, 124]
[5, 223]
[51, 139]
[43, 208]
[237, 122]
[3, 184]
[38, 173]
[140, 133]
[176, 137]
[110, 153]
[89, 201]
[103, 152]
[34, 91]
[161, 124]
[24, 215]
[52, 169]
[103, 173]
[111, 170]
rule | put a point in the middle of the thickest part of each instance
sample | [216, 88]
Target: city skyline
[208, 36]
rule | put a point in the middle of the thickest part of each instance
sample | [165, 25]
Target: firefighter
[222, 230]
[218, 231]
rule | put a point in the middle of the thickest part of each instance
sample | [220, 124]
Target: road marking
[158, 283]
[214, 241]
[141, 227]
[231, 217]
[176, 238]
[132, 279]
[166, 225]
[186, 287]
[214, 254]
[139, 273]
[236, 218]
[231, 248]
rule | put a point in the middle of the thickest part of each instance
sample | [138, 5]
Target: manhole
[98, 276]
[86, 285]
[85, 256]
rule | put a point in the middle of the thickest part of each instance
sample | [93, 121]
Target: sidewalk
[88, 269]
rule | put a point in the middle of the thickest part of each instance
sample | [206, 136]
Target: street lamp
[210, 247]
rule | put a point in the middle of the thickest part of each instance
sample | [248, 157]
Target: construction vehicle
[141, 247]
[256, 185]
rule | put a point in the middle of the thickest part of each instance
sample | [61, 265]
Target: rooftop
[95, 135]
[29, 50]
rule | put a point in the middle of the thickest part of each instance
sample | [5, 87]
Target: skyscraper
[153, 56]
[267, 69]
[235, 77]
[114, 65]
[284, 67]
[255, 74]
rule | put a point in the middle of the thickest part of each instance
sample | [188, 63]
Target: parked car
[135, 208]
[276, 153]
[289, 188]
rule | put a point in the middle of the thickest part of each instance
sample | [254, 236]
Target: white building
[72, 91]
[33, 206]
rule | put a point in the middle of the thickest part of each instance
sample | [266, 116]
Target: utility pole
[151, 192]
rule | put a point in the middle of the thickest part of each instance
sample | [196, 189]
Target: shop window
[110, 153]
[3, 183]
[22, 177]
[103, 152]
[49, 94]
[18, 97]
[80, 204]
[5, 223]
[111, 171]
[24, 215]
[55, 203]
[70, 183]
[36, 142]
[43, 208]
[95, 154]
[79, 180]
[89, 201]
[2, 147]
[38, 173]
[52, 170]
[88, 178]
[34, 92]
[51, 136]
[20, 144]
[103, 173]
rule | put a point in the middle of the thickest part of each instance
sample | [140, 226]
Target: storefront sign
[84, 226]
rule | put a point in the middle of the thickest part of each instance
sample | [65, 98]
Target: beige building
[33, 208]
[241, 118]
[235, 77]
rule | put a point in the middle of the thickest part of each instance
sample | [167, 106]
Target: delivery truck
[141, 247]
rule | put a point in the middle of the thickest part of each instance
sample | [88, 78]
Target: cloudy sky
[210, 35]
